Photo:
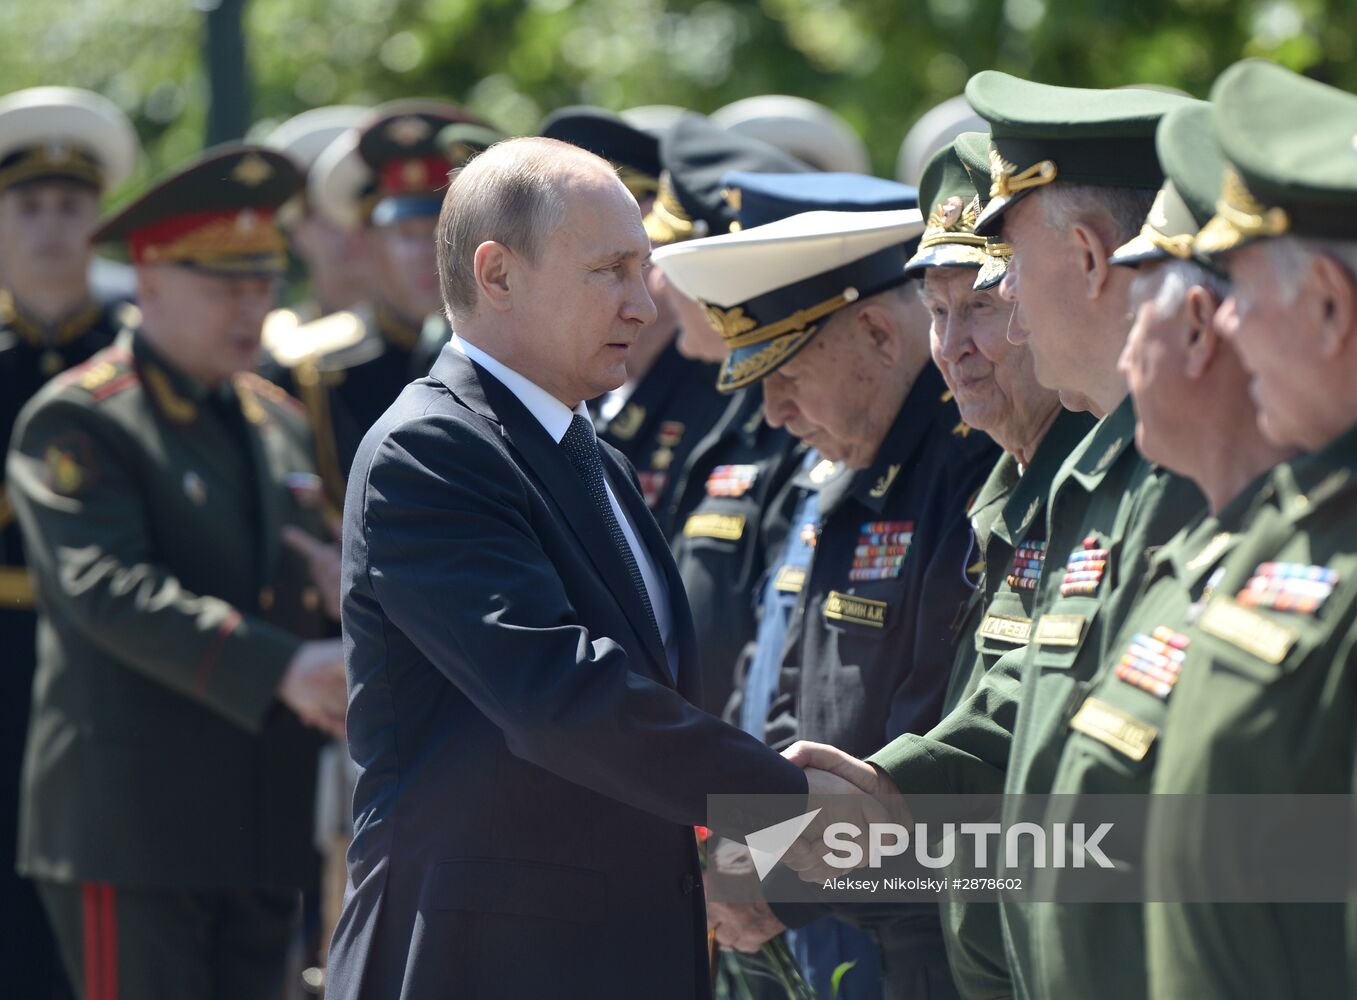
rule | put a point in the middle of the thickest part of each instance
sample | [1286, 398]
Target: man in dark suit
[520, 652]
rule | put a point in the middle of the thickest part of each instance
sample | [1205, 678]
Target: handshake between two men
[843, 790]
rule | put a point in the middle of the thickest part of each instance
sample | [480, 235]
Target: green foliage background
[879, 63]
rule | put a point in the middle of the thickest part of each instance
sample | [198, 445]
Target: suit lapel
[490, 398]
[266, 475]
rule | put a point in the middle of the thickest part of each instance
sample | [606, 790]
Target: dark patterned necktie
[582, 448]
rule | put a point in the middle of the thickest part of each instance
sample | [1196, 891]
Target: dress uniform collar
[1115, 433]
[37, 334]
[1023, 509]
[1207, 539]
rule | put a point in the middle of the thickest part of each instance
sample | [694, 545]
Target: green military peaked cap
[973, 149]
[1193, 165]
[953, 200]
[1041, 134]
[1291, 144]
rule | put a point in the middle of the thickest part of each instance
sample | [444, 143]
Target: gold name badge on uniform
[1226, 619]
[729, 527]
[859, 610]
[1005, 628]
[1060, 630]
[790, 579]
[1111, 726]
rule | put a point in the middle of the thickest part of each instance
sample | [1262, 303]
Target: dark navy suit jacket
[530, 775]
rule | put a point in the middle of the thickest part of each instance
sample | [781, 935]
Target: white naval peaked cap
[809, 131]
[70, 118]
[337, 180]
[732, 268]
[305, 136]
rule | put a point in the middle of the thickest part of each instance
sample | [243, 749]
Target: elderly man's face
[1041, 273]
[992, 379]
[824, 394]
[587, 291]
[211, 323]
[1154, 362]
[1279, 345]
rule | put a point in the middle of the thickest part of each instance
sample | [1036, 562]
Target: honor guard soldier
[60, 149]
[725, 544]
[337, 271]
[816, 306]
[1267, 697]
[1194, 416]
[386, 177]
[997, 393]
[804, 129]
[169, 776]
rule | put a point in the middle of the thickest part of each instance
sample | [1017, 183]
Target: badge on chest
[881, 550]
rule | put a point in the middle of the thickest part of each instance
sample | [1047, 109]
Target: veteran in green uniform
[1267, 701]
[1194, 416]
[170, 768]
[1074, 173]
[60, 149]
[997, 392]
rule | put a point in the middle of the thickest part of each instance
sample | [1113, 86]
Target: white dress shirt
[555, 417]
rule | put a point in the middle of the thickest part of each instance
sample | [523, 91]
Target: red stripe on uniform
[108, 945]
[227, 626]
[89, 899]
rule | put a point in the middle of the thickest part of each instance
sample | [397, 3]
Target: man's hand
[831, 760]
[314, 686]
[323, 559]
[844, 789]
[744, 923]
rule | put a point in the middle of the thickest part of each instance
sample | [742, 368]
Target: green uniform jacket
[1083, 950]
[1267, 704]
[168, 610]
[998, 621]
[1106, 499]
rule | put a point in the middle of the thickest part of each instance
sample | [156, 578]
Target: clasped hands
[844, 790]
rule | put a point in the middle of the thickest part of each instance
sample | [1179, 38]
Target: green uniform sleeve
[84, 523]
[967, 752]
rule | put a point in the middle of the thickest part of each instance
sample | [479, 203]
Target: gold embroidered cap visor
[768, 290]
[215, 214]
[1291, 149]
[64, 133]
[1041, 134]
[1193, 164]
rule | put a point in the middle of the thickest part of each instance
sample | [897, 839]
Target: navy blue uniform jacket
[530, 776]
